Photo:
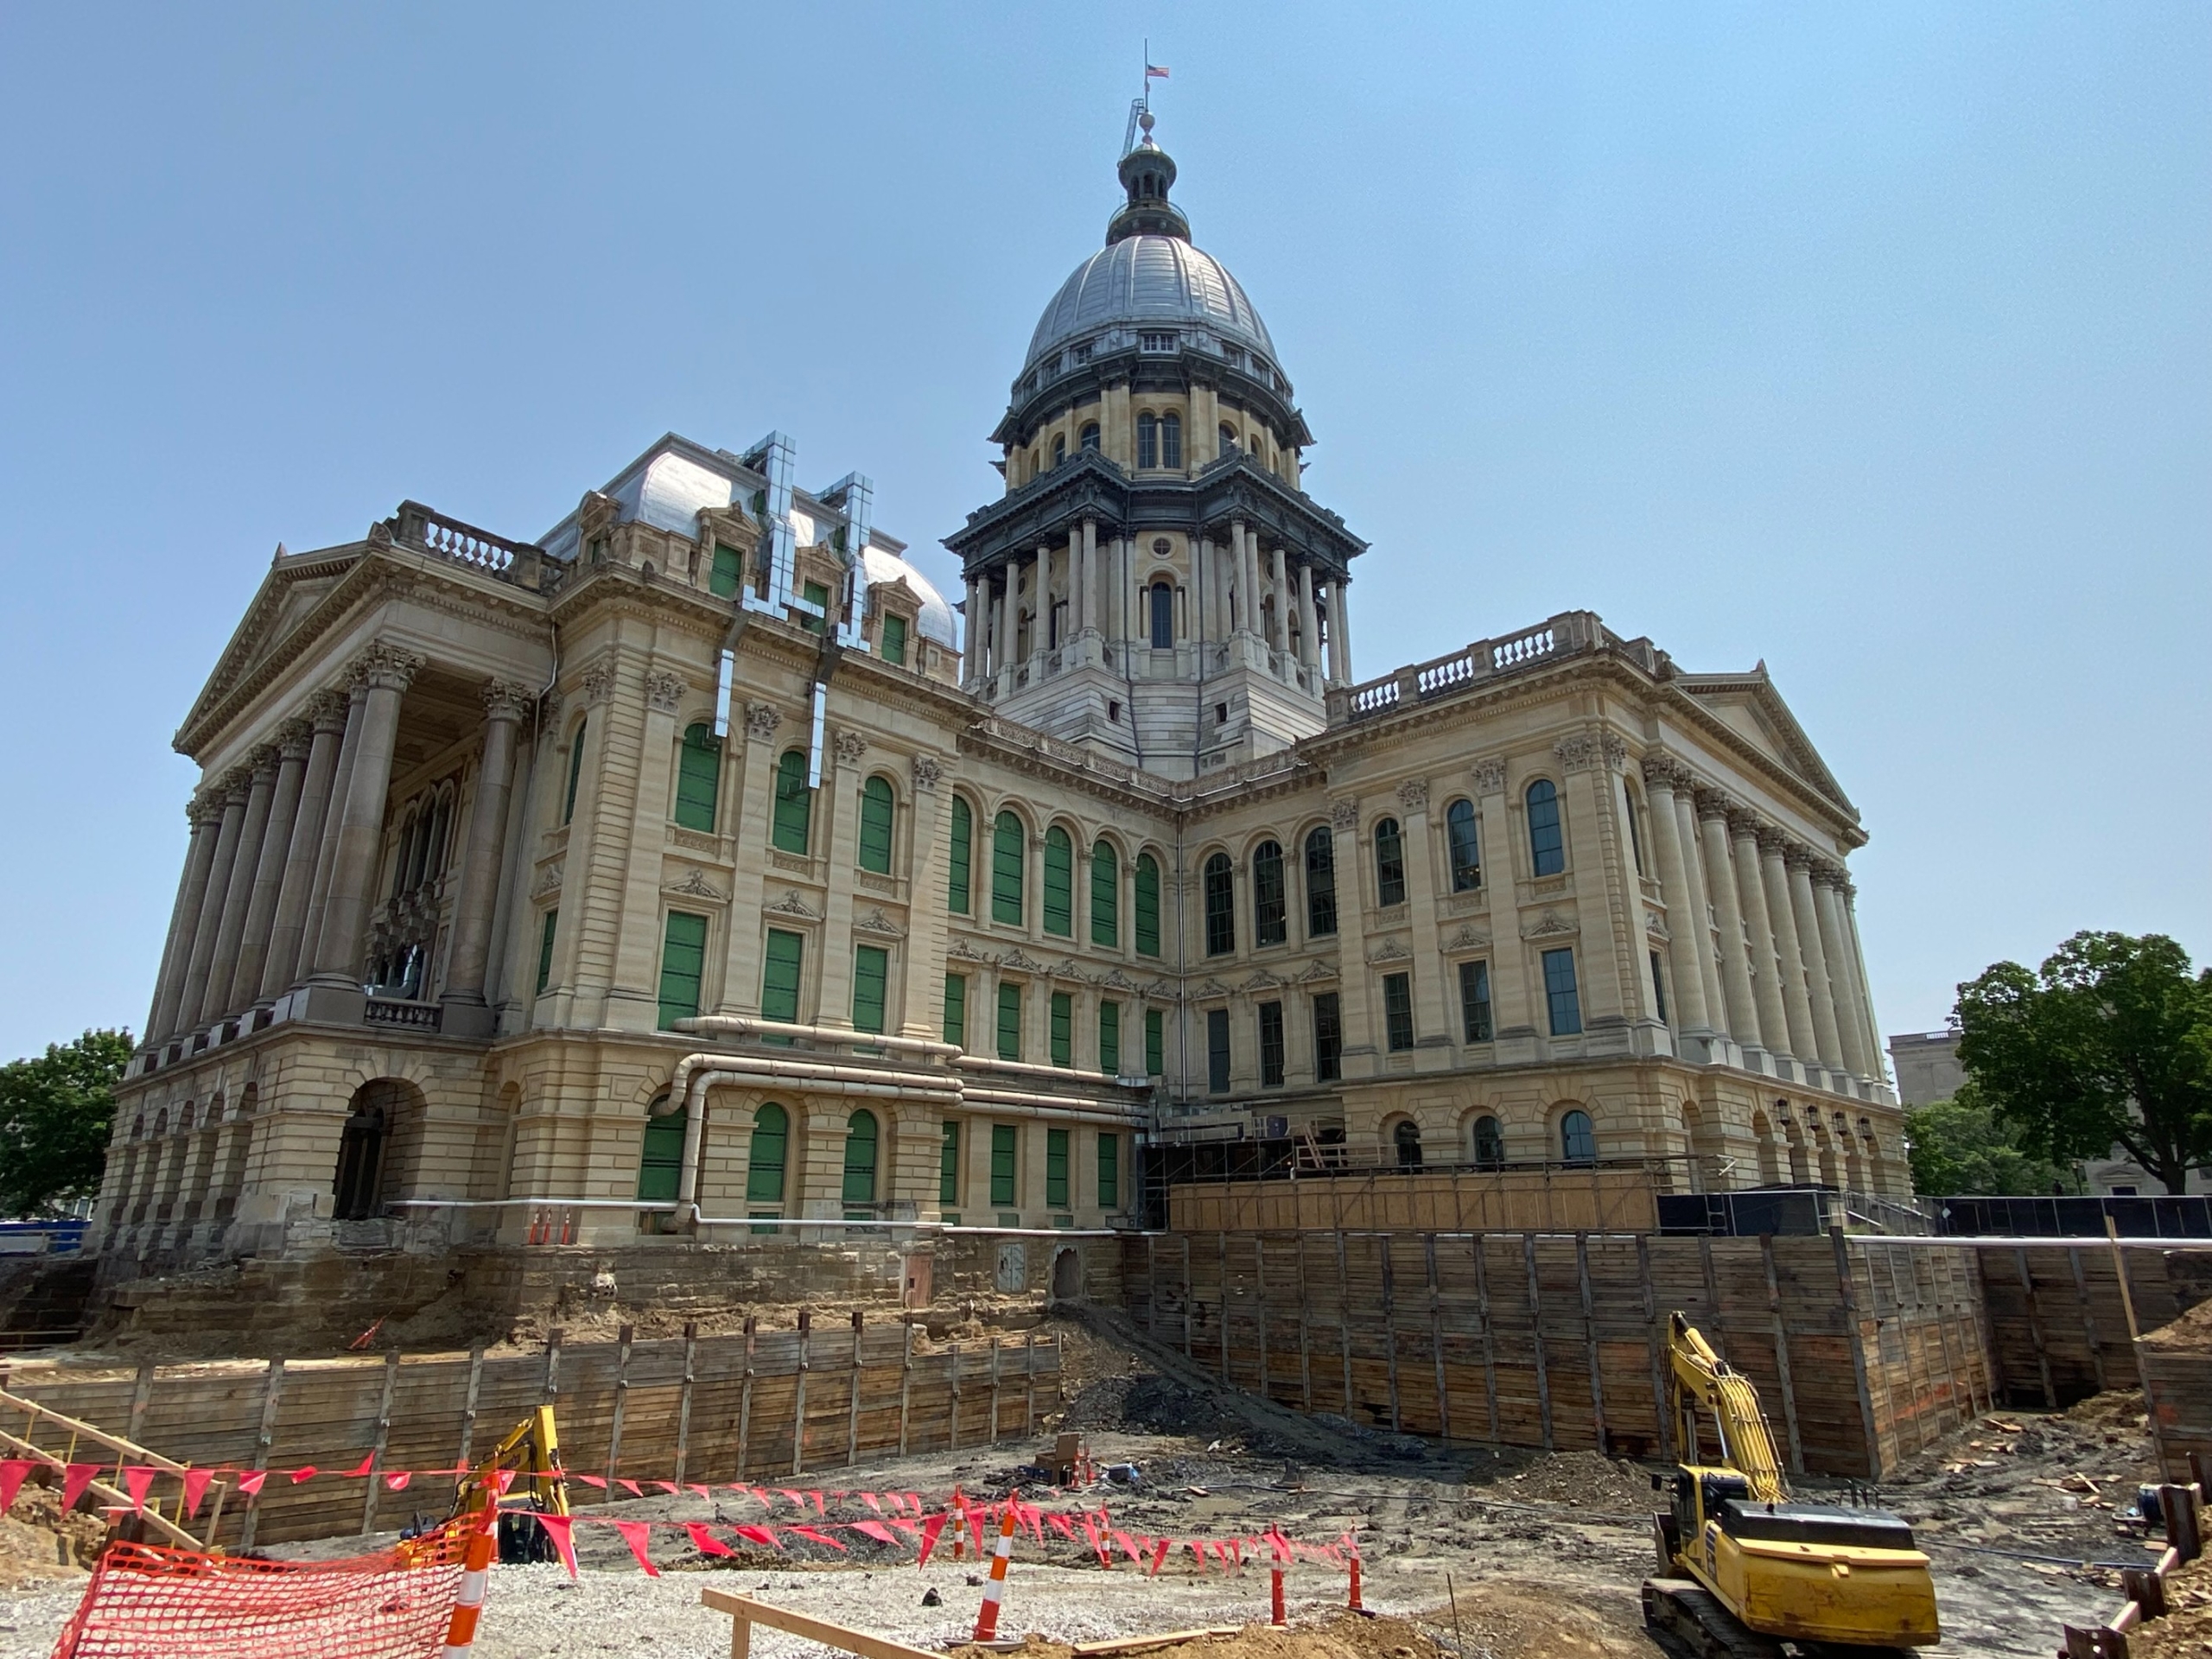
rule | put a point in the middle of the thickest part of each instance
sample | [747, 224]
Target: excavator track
[1689, 1622]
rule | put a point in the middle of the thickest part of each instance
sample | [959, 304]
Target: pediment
[291, 593]
[1750, 707]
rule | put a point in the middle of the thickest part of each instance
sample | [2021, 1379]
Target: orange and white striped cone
[1353, 1603]
[1278, 1619]
[986, 1616]
[468, 1604]
[959, 1524]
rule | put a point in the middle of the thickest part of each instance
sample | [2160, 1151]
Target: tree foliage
[55, 1110]
[1959, 1146]
[2108, 1044]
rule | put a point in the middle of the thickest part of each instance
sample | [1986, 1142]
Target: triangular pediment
[1749, 705]
[292, 591]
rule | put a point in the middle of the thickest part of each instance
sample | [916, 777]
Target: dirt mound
[2117, 1409]
[2187, 1627]
[1342, 1636]
[37, 1541]
[2191, 1333]
[1587, 1479]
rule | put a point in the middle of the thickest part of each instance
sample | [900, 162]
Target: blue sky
[1873, 341]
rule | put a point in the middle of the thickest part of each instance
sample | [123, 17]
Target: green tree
[2108, 1044]
[1959, 1146]
[54, 1114]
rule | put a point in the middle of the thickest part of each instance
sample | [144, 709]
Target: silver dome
[880, 564]
[1149, 279]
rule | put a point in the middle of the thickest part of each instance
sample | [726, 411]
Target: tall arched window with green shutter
[875, 825]
[576, 772]
[959, 890]
[794, 815]
[1059, 883]
[1105, 895]
[660, 1162]
[1005, 870]
[764, 1162]
[860, 1142]
[698, 778]
[1147, 905]
[727, 570]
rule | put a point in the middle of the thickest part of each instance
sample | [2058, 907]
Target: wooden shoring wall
[704, 1408]
[1463, 1200]
[2057, 1330]
[1558, 1340]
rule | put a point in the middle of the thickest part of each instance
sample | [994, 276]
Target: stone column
[1354, 982]
[1086, 580]
[1720, 881]
[1074, 585]
[1701, 904]
[1796, 1004]
[1797, 861]
[1512, 1004]
[842, 853]
[206, 817]
[1431, 1014]
[326, 856]
[977, 626]
[1278, 590]
[385, 671]
[466, 1013]
[1040, 601]
[1851, 1025]
[1758, 929]
[1856, 966]
[294, 742]
[237, 893]
[921, 958]
[1309, 638]
[1685, 918]
[280, 968]
[235, 788]
[1340, 609]
[1248, 578]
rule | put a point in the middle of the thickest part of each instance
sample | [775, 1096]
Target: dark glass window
[1564, 1002]
[1271, 1055]
[1228, 439]
[576, 772]
[1389, 864]
[1163, 617]
[1170, 440]
[1546, 846]
[1147, 440]
[1328, 1039]
[1658, 989]
[1474, 999]
[1217, 1049]
[1466, 850]
[1090, 434]
[1635, 830]
[1221, 906]
[1320, 883]
[1059, 449]
[1406, 1139]
[1578, 1141]
[1490, 1144]
[1398, 1009]
[1270, 896]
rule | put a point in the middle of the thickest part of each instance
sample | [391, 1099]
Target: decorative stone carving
[1118, 981]
[1317, 970]
[596, 684]
[1712, 803]
[1662, 771]
[761, 719]
[1772, 841]
[1469, 938]
[1576, 752]
[1488, 777]
[1614, 751]
[1068, 969]
[327, 709]
[1019, 958]
[967, 952]
[1262, 981]
[261, 761]
[1743, 823]
[664, 691]
[293, 738]
[1161, 991]
[791, 905]
[384, 666]
[548, 881]
[1392, 950]
[928, 773]
[1412, 795]
[876, 921]
[850, 746]
[1551, 923]
[1344, 814]
[504, 700]
[1656, 928]
[1212, 988]
[697, 885]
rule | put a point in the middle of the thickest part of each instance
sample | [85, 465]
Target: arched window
[660, 1162]
[576, 772]
[1270, 896]
[794, 815]
[1059, 449]
[764, 1159]
[1171, 441]
[1089, 438]
[1490, 1144]
[434, 863]
[1147, 440]
[1320, 883]
[1163, 617]
[1059, 883]
[1148, 906]
[1228, 438]
[1105, 895]
[1006, 869]
[859, 1193]
[875, 825]
[400, 859]
[1221, 906]
[1467, 853]
[1546, 846]
[1406, 1139]
[959, 893]
[1578, 1141]
[1635, 830]
[1389, 864]
[698, 778]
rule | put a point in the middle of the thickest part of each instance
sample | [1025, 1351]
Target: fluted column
[1797, 861]
[504, 707]
[1340, 623]
[1850, 1025]
[1700, 902]
[206, 819]
[978, 620]
[281, 965]
[1720, 880]
[1857, 967]
[385, 671]
[1796, 1004]
[1674, 889]
[236, 788]
[294, 742]
[1758, 931]
[1086, 580]
[1278, 590]
[237, 895]
[325, 854]
[1309, 638]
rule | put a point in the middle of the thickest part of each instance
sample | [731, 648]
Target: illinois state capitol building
[690, 872]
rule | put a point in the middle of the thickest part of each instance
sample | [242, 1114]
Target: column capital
[387, 667]
[1827, 874]
[850, 746]
[234, 785]
[1412, 795]
[1796, 855]
[294, 738]
[664, 690]
[261, 762]
[326, 709]
[1771, 840]
[206, 807]
[928, 771]
[761, 719]
[1743, 823]
[1662, 771]
[505, 700]
[1344, 814]
[1488, 776]
[1712, 804]
[596, 682]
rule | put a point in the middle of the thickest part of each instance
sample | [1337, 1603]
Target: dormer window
[1089, 435]
[1228, 439]
[1080, 353]
[1152, 342]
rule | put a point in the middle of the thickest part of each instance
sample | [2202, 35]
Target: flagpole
[1147, 74]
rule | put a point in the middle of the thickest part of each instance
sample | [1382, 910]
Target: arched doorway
[360, 1157]
[1067, 1276]
[1405, 1139]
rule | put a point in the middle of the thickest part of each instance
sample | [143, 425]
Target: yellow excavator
[1742, 1569]
[531, 1453]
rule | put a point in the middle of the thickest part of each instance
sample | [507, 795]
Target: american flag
[1153, 72]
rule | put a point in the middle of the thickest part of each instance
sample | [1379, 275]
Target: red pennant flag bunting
[397, 1483]
[818, 1537]
[11, 1479]
[195, 1488]
[877, 1530]
[762, 1535]
[250, 1482]
[308, 1472]
[631, 1487]
[138, 1480]
[599, 1481]
[75, 1479]
[930, 1527]
[705, 1542]
[1160, 1558]
[362, 1468]
[560, 1526]
[633, 1534]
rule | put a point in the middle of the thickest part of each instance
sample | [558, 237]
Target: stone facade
[675, 878]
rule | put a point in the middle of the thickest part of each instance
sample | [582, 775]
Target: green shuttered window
[895, 641]
[1109, 1038]
[1105, 895]
[576, 772]
[948, 1164]
[682, 959]
[698, 778]
[876, 826]
[859, 1191]
[660, 1162]
[1059, 883]
[794, 815]
[959, 895]
[546, 948]
[956, 1009]
[1009, 1022]
[764, 1159]
[1110, 1171]
[1147, 902]
[1062, 1028]
[1155, 1064]
[871, 978]
[728, 570]
[1003, 1163]
[1005, 870]
[779, 973]
[1056, 1169]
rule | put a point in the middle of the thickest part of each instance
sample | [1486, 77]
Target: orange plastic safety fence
[146, 1603]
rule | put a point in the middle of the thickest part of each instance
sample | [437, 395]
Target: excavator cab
[526, 1467]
